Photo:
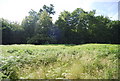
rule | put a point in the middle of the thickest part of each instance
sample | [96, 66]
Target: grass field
[87, 61]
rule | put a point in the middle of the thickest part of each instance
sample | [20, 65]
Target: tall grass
[88, 61]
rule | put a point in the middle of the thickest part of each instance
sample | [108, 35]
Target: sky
[16, 10]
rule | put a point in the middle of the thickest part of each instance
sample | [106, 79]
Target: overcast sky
[16, 10]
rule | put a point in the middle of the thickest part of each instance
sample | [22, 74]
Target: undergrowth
[88, 61]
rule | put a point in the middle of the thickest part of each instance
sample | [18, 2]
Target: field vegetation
[85, 61]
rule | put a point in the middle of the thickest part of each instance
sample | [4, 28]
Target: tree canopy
[75, 27]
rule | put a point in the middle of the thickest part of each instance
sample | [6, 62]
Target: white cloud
[113, 16]
[71, 5]
[106, 0]
[16, 10]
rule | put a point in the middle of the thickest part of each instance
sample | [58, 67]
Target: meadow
[86, 61]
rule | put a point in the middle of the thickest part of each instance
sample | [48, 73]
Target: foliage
[77, 27]
[38, 25]
[84, 27]
[11, 32]
[88, 61]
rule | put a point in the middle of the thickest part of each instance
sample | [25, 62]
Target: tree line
[77, 27]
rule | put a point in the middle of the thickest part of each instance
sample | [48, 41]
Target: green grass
[87, 61]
